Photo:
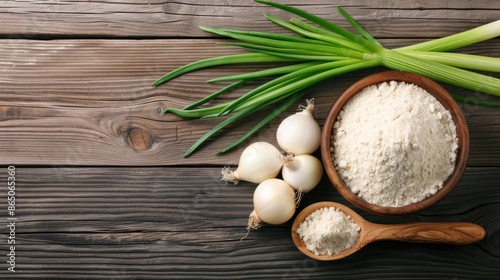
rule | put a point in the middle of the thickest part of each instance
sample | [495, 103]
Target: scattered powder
[328, 231]
[394, 144]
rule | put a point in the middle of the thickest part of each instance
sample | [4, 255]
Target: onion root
[229, 176]
[254, 221]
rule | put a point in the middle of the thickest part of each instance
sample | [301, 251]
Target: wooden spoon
[459, 233]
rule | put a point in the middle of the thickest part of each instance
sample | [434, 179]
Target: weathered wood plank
[78, 99]
[152, 18]
[90, 102]
[182, 223]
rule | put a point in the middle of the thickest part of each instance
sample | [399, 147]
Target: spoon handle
[439, 232]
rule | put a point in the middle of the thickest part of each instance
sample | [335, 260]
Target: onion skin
[258, 162]
[274, 202]
[303, 173]
[299, 133]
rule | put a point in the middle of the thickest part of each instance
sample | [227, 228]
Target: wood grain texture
[90, 102]
[164, 18]
[183, 223]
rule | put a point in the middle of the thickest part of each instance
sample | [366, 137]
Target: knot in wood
[140, 139]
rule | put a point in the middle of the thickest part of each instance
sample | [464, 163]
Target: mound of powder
[328, 231]
[394, 144]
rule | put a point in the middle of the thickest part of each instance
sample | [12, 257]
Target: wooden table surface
[103, 192]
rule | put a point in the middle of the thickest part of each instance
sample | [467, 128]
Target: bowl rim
[442, 96]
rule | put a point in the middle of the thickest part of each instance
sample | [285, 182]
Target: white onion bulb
[300, 133]
[274, 203]
[258, 162]
[303, 173]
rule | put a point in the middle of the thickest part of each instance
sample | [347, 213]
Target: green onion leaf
[291, 53]
[283, 44]
[460, 98]
[358, 27]
[275, 36]
[215, 95]
[196, 113]
[267, 72]
[314, 29]
[217, 61]
[342, 42]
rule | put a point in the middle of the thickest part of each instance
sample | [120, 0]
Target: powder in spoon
[328, 231]
[394, 144]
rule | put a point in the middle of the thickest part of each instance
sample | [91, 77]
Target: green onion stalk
[321, 50]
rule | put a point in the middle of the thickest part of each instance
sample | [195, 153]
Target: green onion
[323, 50]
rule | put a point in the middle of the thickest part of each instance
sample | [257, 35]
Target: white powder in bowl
[394, 144]
[328, 231]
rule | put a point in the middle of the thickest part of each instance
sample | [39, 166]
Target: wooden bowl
[442, 96]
